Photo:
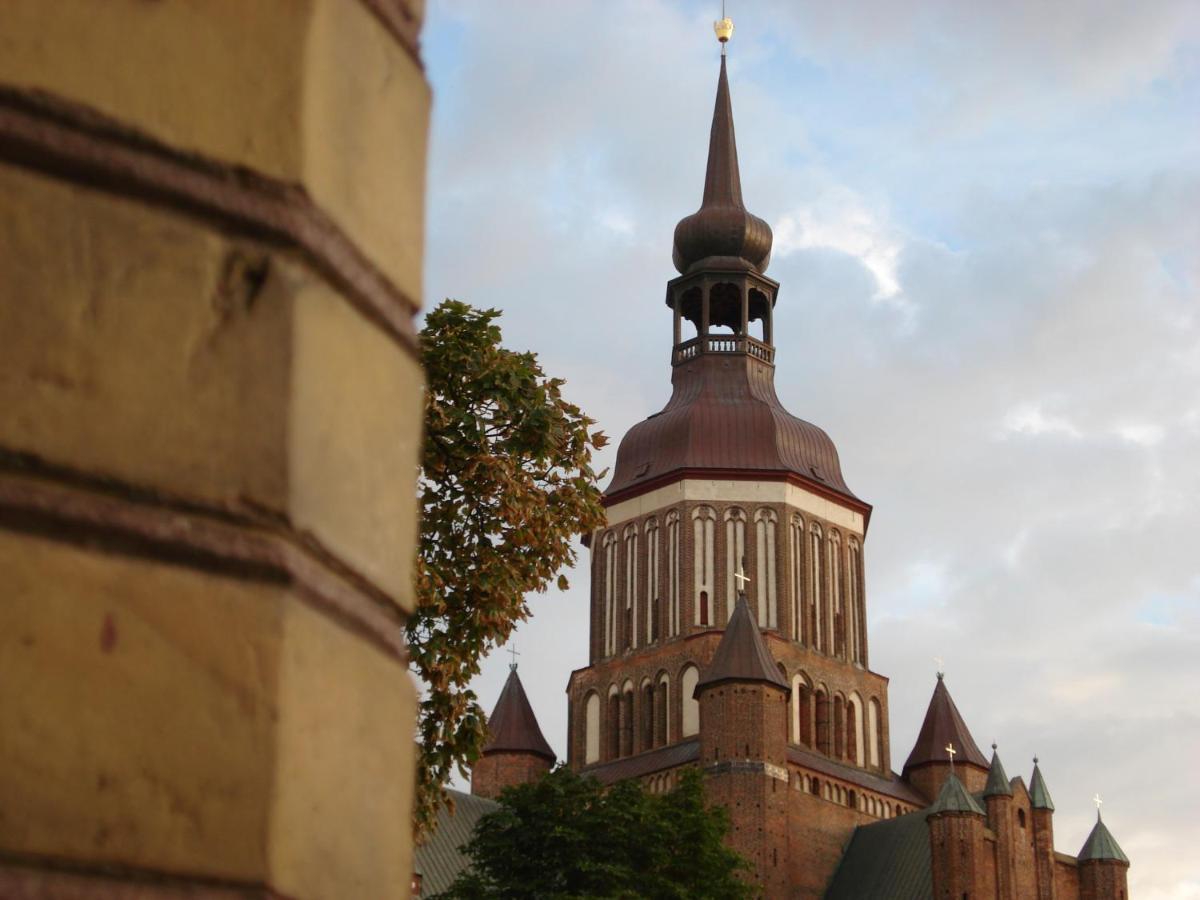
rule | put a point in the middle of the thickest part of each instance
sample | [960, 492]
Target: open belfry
[729, 628]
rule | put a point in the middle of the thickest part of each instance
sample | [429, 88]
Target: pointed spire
[512, 726]
[943, 725]
[997, 780]
[722, 230]
[1100, 844]
[742, 654]
[1039, 795]
[954, 797]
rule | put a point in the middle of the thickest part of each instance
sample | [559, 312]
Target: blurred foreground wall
[211, 224]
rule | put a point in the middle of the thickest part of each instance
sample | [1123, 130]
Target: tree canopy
[506, 483]
[566, 836]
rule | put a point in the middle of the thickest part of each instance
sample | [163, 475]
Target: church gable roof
[742, 654]
[886, 860]
[943, 725]
[1100, 844]
[512, 726]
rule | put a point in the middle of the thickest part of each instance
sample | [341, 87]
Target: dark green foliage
[506, 482]
[568, 837]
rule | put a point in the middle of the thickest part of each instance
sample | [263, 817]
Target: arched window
[874, 738]
[801, 710]
[765, 521]
[610, 586]
[822, 717]
[653, 595]
[614, 723]
[703, 523]
[662, 711]
[836, 588]
[839, 726]
[1021, 817]
[817, 591]
[648, 724]
[627, 725]
[629, 630]
[855, 749]
[690, 718]
[591, 728]
[858, 609]
[796, 588]
[735, 554]
[672, 573]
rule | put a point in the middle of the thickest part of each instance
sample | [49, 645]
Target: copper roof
[724, 417]
[1039, 794]
[953, 797]
[997, 780]
[722, 227]
[742, 654]
[440, 859]
[512, 726]
[943, 725]
[1100, 844]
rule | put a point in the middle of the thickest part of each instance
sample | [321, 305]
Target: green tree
[506, 482]
[565, 836]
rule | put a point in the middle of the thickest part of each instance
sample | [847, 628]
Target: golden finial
[724, 30]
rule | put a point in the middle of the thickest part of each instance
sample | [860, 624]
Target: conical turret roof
[954, 797]
[512, 726]
[1100, 844]
[997, 780]
[722, 229]
[943, 725]
[1039, 794]
[742, 654]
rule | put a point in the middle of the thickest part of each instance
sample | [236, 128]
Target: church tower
[516, 751]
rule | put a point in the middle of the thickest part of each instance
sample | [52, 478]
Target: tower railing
[726, 344]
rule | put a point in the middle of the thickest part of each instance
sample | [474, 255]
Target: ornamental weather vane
[723, 28]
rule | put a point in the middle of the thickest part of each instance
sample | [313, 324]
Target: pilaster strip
[75, 143]
[217, 541]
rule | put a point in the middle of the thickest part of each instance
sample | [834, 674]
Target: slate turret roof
[943, 725]
[1100, 844]
[742, 654]
[1039, 795]
[954, 797]
[997, 780]
[512, 726]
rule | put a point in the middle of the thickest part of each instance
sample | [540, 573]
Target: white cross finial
[741, 577]
[512, 651]
[951, 751]
[941, 665]
[1098, 802]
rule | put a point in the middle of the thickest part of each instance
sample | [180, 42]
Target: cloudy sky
[986, 231]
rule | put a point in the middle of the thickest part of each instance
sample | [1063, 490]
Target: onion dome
[943, 725]
[742, 654]
[997, 780]
[722, 232]
[954, 797]
[1039, 794]
[512, 726]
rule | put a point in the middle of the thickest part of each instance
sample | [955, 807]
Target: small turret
[516, 751]
[998, 796]
[956, 823]
[1103, 865]
[1043, 834]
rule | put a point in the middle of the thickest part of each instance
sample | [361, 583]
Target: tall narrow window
[690, 713]
[839, 727]
[672, 573]
[836, 588]
[764, 543]
[591, 729]
[735, 553]
[801, 710]
[822, 720]
[648, 726]
[858, 606]
[796, 589]
[613, 724]
[663, 709]
[627, 728]
[703, 524]
[629, 625]
[874, 744]
[816, 595]
[653, 594]
[610, 585]
[855, 749]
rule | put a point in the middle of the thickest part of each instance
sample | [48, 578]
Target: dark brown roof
[943, 725]
[742, 654]
[722, 227]
[512, 726]
[724, 419]
[819, 762]
[645, 763]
